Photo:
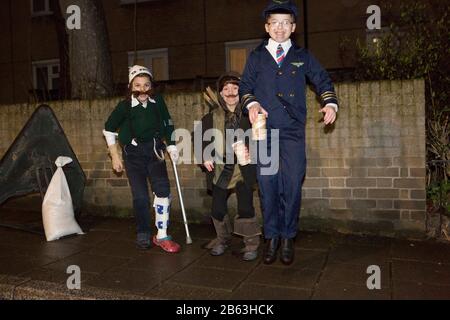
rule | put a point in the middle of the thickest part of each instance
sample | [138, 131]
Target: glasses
[277, 24]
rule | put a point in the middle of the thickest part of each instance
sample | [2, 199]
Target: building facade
[183, 41]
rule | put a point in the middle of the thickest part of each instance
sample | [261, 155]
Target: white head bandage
[136, 70]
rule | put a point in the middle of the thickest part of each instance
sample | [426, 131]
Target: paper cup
[259, 131]
[239, 149]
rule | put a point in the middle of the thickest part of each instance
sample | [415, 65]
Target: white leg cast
[162, 208]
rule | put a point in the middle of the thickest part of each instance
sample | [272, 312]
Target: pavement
[327, 266]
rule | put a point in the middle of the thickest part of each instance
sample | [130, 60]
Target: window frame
[249, 45]
[148, 56]
[46, 12]
[50, 75]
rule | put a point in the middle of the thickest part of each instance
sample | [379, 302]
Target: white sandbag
[57, 208]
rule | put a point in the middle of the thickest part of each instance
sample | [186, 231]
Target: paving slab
[10, 236]
[42, 290]
[426, 251]
[193, 250]
[52, 250]
[316, 241]
[55, 276]
[174, 291]
[329, 290]
[254, 291]
[196, 231]
[17, 265]
[358, 254]
[111, 224]
[406, 290]
[421, 272]
[305, 258]
[119, 248]
[15, 252]
[88, 263]
[364, 240]
[209, 278]
[8, 285]
[227, 261]
[163, 265]
[286, 277]
[90, 239]
[126, 280]
[355, 274]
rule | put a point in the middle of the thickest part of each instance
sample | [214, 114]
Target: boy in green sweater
[143, 123]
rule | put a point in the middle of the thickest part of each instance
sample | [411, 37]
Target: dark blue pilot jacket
[281, 92]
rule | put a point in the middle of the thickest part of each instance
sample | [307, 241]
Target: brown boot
[250, 230]
[222, 242]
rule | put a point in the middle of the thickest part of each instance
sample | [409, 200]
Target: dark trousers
[280, 191]
[244, 196]
[141, 164]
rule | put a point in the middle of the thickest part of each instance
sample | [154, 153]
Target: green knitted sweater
[146, 123]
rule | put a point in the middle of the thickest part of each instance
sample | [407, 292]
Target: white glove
[173, 152]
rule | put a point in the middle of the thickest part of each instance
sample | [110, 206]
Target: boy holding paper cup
[238, 174]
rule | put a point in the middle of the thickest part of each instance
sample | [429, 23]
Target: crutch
[188, 237]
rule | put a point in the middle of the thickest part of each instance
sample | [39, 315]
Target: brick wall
[366, 174]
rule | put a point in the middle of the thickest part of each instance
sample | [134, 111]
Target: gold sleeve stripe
[247, 99]
[248, 96]
[329, 97]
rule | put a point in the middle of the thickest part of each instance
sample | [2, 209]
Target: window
[237, 52]
[156, 60]
[46, 75]
[40, 7]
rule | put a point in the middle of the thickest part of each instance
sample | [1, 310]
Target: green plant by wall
[438, 196]
[414, 43]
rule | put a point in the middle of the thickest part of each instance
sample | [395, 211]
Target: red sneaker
[167, 244]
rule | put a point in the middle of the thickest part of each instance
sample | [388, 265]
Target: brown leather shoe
[270, 254]
[287, 251]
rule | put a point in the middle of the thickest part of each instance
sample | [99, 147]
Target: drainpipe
[305, 22]
[205, 38]
[12, 51]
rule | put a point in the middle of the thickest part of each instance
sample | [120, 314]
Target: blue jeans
[141, 164]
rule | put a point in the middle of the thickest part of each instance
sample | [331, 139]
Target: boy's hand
[247, 154]
[173, 152]
[117, 165]
[209, 165]
[254, 110]
[330, 115]
[115, 157]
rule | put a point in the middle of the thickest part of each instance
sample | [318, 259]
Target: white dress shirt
[272, 47]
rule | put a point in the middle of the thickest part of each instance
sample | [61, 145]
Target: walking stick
[188, 237]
